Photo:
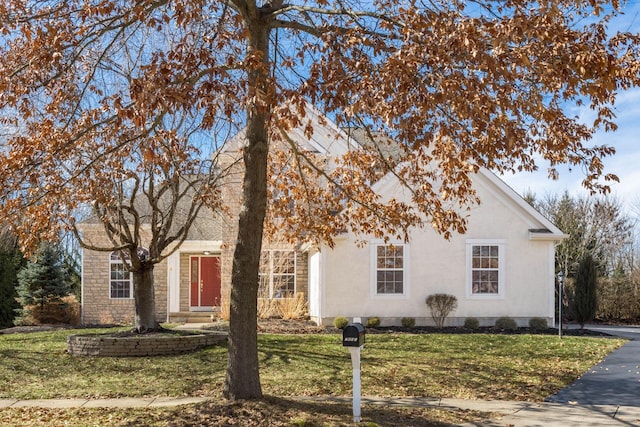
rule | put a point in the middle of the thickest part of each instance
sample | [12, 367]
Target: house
[502, 266]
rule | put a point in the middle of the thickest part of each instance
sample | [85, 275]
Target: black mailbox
[353, 335]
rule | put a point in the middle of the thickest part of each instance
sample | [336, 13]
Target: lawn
[476, 366]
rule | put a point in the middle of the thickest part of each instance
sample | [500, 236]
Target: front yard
[473, 366]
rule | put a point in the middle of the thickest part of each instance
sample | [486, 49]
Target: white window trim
[119, 261]
[373, 275]
[500, 243]
[270, 273]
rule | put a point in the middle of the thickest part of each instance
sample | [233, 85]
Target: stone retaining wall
[158, 344]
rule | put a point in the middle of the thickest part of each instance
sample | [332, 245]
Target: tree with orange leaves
[452, 85]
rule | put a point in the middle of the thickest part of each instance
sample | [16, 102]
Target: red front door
[205, 281]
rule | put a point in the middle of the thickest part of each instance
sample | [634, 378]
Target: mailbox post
[353, 336]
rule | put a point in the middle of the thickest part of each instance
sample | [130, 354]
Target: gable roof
[327, 138]
[546, 231]
[206, 226]
[330, 140]
[541, 227]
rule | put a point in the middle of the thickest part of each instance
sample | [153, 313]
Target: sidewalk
[126, 402]
[517, 414]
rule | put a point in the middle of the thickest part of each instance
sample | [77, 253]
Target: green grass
[476, 366]
[510, 367]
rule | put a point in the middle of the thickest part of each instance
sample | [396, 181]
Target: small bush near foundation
[408, 322]
[441, 305]
[340, 322]
[268, 308]
[471, 323]
[506, 324]
[538, 324]
[373, 322]
[293, 308]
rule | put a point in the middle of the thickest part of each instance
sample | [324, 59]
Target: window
[120, 282]
[485, 268]
[277, 274]
[120, 278]
[390, 269]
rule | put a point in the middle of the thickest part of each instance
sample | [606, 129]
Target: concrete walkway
[517, 414]
[126, 402]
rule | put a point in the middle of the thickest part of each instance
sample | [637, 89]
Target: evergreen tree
[10, 261]
[42, 280]
[585, 300]
[71, 272]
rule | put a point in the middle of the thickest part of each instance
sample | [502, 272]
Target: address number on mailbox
[353, 335]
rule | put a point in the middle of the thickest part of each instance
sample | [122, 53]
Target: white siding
[439, 266]
[314, 286]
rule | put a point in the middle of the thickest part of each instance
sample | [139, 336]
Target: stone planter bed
[136, 345]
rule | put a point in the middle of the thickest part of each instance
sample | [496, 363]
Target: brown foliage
[294, 308]
[66, 311]
[456, 91]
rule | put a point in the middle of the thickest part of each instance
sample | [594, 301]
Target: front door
[205, 282]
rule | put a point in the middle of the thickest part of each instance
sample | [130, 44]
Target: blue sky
[625, 163]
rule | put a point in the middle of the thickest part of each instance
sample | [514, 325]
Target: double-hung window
[120, 280]
[485, 268]
[277, 274]
[390, 269]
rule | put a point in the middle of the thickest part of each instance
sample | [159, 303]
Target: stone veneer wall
[151, 345]
[184, 282]
[302, 273]
[98, 307]
[231, 193]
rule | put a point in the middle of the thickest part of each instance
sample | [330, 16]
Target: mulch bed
[279, 326]
[487, 330]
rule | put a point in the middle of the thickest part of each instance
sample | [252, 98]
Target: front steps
[193, 317]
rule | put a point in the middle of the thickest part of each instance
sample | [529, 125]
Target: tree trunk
[144, 297]
[243, 377]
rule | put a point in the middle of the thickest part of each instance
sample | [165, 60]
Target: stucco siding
[436, 265]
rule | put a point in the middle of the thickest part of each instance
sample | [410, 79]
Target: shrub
[340, 322]
[471, 323]
[538, 324]
[441, 305]
[373, 322]
[267, 308]
[408, 322]
[293, 308]
[65, 311]
[506, 324]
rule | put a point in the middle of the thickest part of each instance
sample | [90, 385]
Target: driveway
[614, 381]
